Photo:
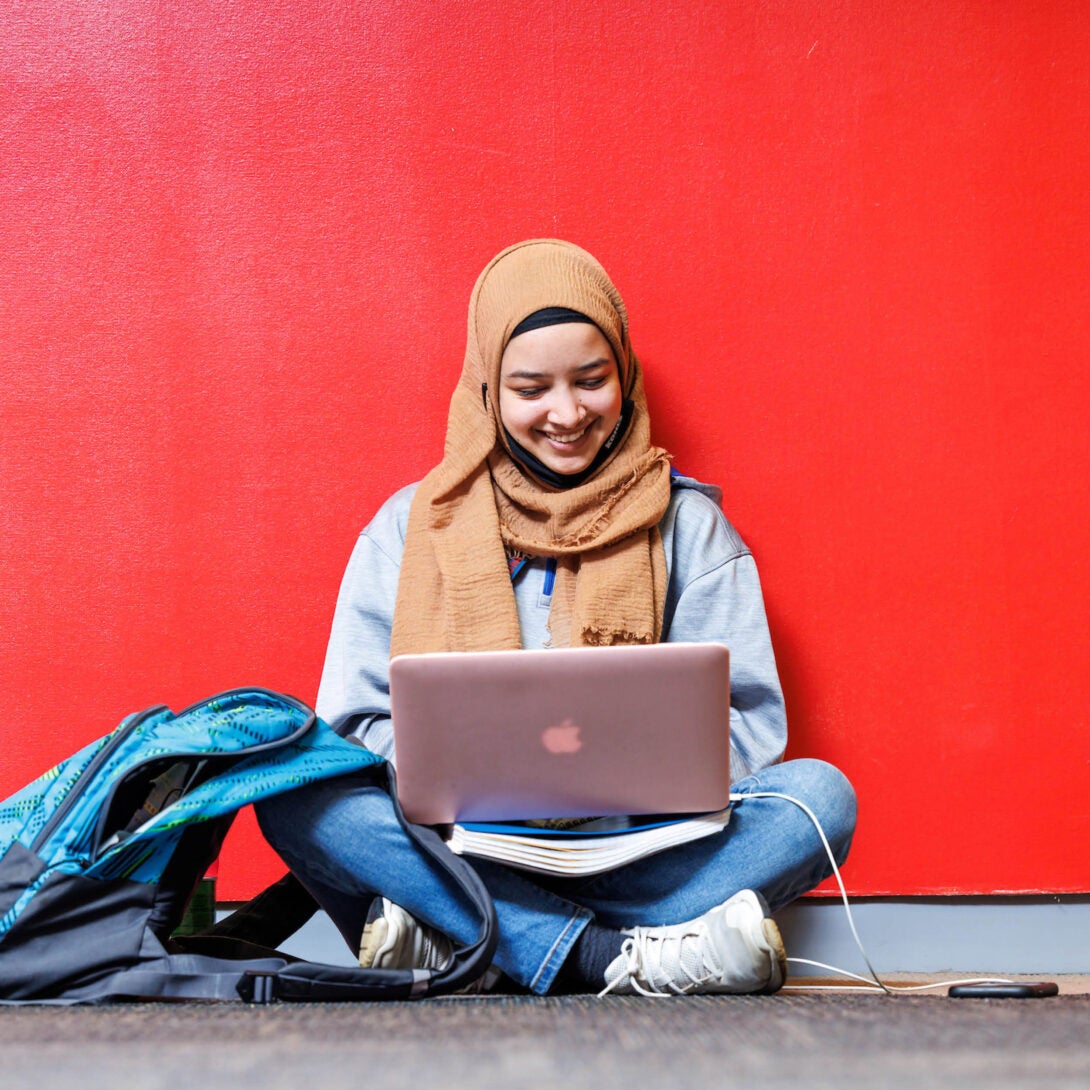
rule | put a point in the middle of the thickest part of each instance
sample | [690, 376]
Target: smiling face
[560, 393]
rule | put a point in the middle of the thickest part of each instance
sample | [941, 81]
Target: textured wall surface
[236, 248]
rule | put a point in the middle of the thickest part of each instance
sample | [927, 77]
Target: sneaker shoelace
[672, 964]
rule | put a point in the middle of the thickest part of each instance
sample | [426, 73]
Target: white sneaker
[735, 948]
[392, 939]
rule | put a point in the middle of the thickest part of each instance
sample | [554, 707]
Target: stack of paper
[599, 845]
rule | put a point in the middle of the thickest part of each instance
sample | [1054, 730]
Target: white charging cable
[875, 983]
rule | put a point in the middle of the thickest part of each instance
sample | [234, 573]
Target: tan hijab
[454, 591]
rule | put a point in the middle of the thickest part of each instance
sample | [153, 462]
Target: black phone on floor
[1025, 990]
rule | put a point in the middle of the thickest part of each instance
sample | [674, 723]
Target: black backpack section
[101, 855]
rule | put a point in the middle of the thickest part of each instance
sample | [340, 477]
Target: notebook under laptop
[574, 732]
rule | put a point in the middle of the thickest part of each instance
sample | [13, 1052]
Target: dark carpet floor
[575, 1043]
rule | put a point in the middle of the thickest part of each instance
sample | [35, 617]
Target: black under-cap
[549, 316]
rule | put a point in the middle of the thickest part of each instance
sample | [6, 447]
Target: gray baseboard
[997, 935]
[1045, 934]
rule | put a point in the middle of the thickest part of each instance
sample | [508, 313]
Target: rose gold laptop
[574, 732]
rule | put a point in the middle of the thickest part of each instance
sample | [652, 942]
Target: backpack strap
[266, 920]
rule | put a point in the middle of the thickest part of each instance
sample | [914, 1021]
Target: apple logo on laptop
[562, 737]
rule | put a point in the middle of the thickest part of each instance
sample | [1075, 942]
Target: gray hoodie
[713, 595]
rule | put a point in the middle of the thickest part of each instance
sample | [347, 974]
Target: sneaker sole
[373, 942]
[779, 956]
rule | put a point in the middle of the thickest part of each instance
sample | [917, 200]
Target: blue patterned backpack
[99, 857]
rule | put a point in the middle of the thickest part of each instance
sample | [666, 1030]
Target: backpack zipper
[96, 850]
[125, 729]
[85, 777]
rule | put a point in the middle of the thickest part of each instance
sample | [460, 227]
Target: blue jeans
[343, 841]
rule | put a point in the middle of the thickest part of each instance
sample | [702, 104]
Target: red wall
[236, 248]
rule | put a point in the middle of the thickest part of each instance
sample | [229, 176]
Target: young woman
[553, 521]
